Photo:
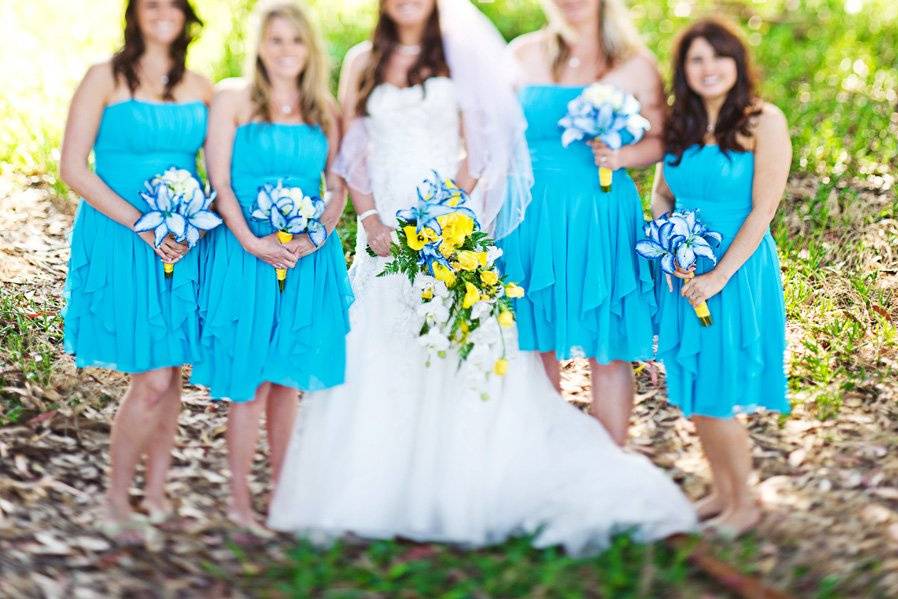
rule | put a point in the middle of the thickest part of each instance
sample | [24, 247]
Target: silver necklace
[573, 62]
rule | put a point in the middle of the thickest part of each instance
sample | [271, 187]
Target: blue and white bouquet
[290, 212]
[676, 240]
[180, 207]
[603, 112]
[464, 302]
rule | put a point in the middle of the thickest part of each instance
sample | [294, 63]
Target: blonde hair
[618, 35]
[315, 100]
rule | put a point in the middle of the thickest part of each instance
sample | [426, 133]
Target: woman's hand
[605, 156]
[379, 235]
[269, 250]
[170, 250]
[301, 246]
[703, 287]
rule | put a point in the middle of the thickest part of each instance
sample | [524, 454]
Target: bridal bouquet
[676, 240]
[179, 207]
[290, 212]
[465, 303]
[603, 112]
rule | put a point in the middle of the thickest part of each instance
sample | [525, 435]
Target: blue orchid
[289, 210]
[436, 197]
[676, 240]
[603, 112]
[198, 217]
[163, 218]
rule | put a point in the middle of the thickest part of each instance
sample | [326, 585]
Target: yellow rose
[447, 249]
[456, 227]
[427, 294]
[418, 239]
[513, 291]
[444, 274]
[472, 295]
[500, 367]
[467, 260]
[489, 277]
[506, 318]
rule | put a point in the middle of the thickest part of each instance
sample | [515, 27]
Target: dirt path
[830, 488]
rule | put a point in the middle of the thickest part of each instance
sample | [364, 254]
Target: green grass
[515, 569]
[30, 338]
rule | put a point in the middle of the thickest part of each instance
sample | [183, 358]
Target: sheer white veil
[484, 72]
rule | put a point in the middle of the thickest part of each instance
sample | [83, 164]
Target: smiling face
[577, 11]
[408, 13]
[160, 21]
[709, 74]
[282, 49]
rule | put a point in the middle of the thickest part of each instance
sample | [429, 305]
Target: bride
[406, 450]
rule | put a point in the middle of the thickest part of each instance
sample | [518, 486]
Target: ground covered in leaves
[830, 486]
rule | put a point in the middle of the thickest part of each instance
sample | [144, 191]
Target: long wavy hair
[124, 61]
[384, 41]
[618, 35]
[687, 123]
[315, 100]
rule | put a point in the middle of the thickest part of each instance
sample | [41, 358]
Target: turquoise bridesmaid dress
[587, 293]
[736, 365]
[121, 312]
[253, 333]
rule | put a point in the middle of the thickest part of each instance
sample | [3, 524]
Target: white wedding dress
[406, 450]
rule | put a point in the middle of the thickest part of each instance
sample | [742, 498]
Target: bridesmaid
[587, 294]
[143, 112]
[728, 155]
[261, 345]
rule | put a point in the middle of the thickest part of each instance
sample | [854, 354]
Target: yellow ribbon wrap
[284, 238]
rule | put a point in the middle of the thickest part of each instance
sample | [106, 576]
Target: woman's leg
[159, 451]
[242, 439]
[553, 369]
[283, 404]
[613, 389]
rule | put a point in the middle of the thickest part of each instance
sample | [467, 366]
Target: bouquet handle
[605, 175]
[701, 310]
[168, 269]
[284, 238]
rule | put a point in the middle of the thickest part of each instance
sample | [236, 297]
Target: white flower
[423, 282]
[487, 333]
[434, 340]
[598, 93]
[180, 182]
[481, 310]
[493, 253]
[433, 312]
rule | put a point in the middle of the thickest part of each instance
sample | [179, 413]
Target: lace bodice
[411, 131]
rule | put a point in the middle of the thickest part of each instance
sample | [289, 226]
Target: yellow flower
[444, 274]
[456, 228]
[427, 294]
[472, 295]
[418, 239]
[489, 277]
[456, 196]
[513, 291]
[500, 367]
[467, 260]
[447, 249]
[506, 318]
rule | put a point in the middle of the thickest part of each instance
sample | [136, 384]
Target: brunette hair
[315, 100]
[384, 41]
[618, 35]
[124, 61]
[687, 122]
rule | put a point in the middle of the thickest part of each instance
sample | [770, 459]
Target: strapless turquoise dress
[253, 333]
[736, 365]
[587, 293]
[121, 312]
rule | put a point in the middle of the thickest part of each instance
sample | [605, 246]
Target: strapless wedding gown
[406, 450]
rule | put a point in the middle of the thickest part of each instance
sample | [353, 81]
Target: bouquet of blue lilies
[603, 112]
[180, 208]
[676, 240]
[464, 302]
[290, 212]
